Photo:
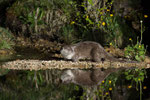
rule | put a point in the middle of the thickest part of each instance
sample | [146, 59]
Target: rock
[147, 59]
[2, 52]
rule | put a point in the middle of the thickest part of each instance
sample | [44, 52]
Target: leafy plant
[6, 39]
[101, 22]
[107, 86]
[136, 51]
[33, 18]
[137, 76]
[35, 77]
[4, 45]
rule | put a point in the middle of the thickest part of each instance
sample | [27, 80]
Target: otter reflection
[86, 77]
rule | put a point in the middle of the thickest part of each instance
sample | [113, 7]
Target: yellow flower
[103, 81]
[101, 13]
[139, 46]
[109, 81]
[110, 89]
[108, 9]
[130, 39]
[129, 86]
[87, 16]
[111, 15]
[72, 22]
[145, 16]
[139, 79]
[144, 87]
[103, 23]
[106, 93]
[110, 44]
[125, 17]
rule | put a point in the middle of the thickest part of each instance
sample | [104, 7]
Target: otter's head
[67, 52]
[67, 77]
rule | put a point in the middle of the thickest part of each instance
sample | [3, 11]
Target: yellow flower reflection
[108, 9]
[103, 81]
[145, 16]
[111, 15]
[110, 89]
[129, 86]
[106, 93]
[130, 39]
[144, 87]
[109, 81]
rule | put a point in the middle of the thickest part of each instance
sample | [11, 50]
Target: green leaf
[90, 2]
[137, 58]
[129, 77]
[126, 73]
[141, 52]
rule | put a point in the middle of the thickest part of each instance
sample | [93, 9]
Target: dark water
[32, 85]
[25, 53]
[22, 85]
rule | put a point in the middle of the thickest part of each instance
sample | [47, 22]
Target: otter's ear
[64, 47]
[71, 48]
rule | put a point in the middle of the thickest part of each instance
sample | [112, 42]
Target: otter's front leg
[97, 75]
[98, 56]
[75, 58]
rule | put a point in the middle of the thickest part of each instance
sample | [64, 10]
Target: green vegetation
[138, 53]
[135, 52]
[33, 19]
[136, 76]
[95, 21]
[6, 39]
[36, 17]
[101, 23]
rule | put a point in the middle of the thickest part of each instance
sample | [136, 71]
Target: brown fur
[84, 50]
[86, 77]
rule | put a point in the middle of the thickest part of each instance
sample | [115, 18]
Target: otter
[86, 77]
[84, 50]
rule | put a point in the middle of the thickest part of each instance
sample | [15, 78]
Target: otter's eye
[61, 49]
